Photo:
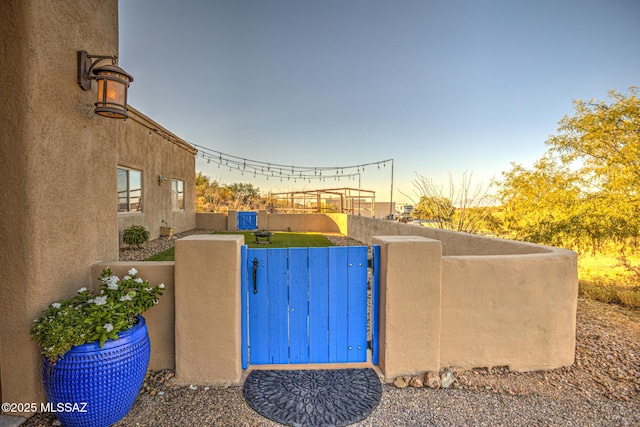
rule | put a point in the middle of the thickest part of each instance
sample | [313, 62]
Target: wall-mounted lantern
[113, 83]
[161, 179]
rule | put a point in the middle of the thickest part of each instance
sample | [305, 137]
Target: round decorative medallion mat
[314, 397]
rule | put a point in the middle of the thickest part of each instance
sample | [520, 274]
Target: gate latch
[255, 275]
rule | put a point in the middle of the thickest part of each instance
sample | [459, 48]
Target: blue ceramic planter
[95, 387]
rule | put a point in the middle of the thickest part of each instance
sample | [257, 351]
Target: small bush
[611, 292]
[135, 235]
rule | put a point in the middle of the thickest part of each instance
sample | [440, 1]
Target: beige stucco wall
[207, 307]
[57, 166]
[301, 222]
[146, 146]
[453, 243]
[517, 311]
[410, 269]
[503, 303]
[160, 318]
[211, 221]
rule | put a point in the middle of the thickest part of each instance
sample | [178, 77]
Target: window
[129, 190]
[177, 194]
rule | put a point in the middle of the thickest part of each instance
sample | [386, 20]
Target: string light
[306, 173]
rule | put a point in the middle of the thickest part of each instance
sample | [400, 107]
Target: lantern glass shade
[113, 83]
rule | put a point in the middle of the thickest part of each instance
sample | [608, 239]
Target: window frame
[177, 202]
[129, 191]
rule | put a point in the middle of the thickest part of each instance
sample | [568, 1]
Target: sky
[440, 87]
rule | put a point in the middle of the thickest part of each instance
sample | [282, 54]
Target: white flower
[139, 280]
[147, 289]
[127, 277]
[108, 327]
[55, 305]
[81, 290]
[111, 282]
[161, 285]
[101, 300]
[125, 298]
[91, 301]
[133, 272]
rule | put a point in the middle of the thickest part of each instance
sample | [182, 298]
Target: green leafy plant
[135, 235]
[86, 317]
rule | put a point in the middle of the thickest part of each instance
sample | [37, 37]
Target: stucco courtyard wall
[517, 311]
[503, 303]
[211, 221]
[146, 146]
[320, 223]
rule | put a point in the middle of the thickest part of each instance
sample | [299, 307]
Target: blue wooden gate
[308, 305]
[247, 221]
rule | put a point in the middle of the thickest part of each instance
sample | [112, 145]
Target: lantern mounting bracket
[86, 63]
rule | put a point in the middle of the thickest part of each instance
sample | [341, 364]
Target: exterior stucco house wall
[166, 165]
[59, 166]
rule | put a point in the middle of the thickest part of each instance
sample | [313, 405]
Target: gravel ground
[602, 388]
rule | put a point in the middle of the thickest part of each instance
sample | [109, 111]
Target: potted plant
[135, 235]
[165, 230]
[96, 349]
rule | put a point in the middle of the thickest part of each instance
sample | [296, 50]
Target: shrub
[135, 235]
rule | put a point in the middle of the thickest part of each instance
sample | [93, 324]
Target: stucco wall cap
[231, 237]
[392, 239]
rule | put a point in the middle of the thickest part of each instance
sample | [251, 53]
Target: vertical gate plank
[375, 305]
[278, 294]
[338, 305]
[357, 304]
[298, 305]
[318, 305]
[244, 308]
[258, 308]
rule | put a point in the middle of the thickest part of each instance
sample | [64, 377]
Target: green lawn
[278, 240]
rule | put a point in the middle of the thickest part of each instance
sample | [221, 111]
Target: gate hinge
[370, 262]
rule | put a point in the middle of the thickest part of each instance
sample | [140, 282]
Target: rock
[432, 380]
[447, 378]
[416, 382]
[401, 382]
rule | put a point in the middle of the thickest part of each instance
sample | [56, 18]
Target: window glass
[177, 194]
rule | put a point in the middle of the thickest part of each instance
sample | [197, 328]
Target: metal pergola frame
[351, 200]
